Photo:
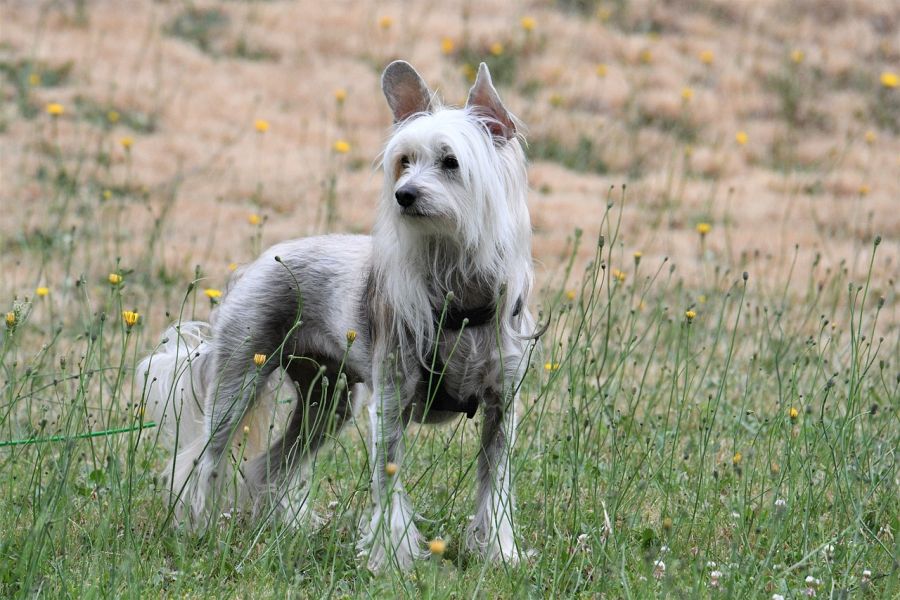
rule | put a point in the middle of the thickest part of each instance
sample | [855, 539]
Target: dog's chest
[470, 360]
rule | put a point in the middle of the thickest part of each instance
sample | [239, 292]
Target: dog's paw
[391, 539]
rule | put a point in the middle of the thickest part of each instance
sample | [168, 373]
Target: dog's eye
[404, 161]
[449, 162]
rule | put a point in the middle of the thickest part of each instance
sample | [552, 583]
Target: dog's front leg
[491, 531]
[389, 535]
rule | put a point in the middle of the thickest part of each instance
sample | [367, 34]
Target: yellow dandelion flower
[34, 79]
[254, 219]
[130, 317]
[737, 458]
[447, 45]
[864, 189]
[620, 276]
[703, 228]
[55, 109]
[390, 469]
[341, 146]
[437, 546]
[889, 79]
[114, 279]
[127, 142]
[793, 413]
[261, 125]
[707, 57]
[646, 56]
[528, 23]
[42, 292]
[107, 194]
[686, 94]
[10, 319]
[259, 359]
[551, 366]
[602, 70]
[570, 295]
[232, 266]
[340, 95]
[212, 293]
[385, 22]
[871, 136]
[112, 116]
[741, 138]
[637, 256]
[690, 315]
[797, 56]
[351, 336]
[496, 48]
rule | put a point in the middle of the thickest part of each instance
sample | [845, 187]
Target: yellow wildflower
[871, 136]
[690, 315]
[34, 79]
[686, 94]
[437, 546]
[212, 293]
[341, 146]
[42, 291]
[496, 48]
[351, 336]
[741, 137]
[385, 22]
[707, 57]
[646, 56]
[528, 23]
[637, 256]
[340, 95]
[114, 279]
[551, 366]
[130, 317]
[793, 413]
[261, 125]
[259, 359]
[447, 45]
[556, 100]
[703, 228]
[107, 194]
[570, 295]
[737, 458]
[390, 469]
[232, 266]
[602, 70]
[10, 319]
[619, 275]
[604, 13]
[889, 79]
[797, 56]
[127, 142]
[55, 109]
[112, 116]
[254, 219]
[864, 189]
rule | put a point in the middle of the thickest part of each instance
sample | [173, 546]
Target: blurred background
[742, 129]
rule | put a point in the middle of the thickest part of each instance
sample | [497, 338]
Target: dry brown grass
[796, 181]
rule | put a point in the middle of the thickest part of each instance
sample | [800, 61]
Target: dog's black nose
[406, 195]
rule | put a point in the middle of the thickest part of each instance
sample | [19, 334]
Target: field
[715, 193]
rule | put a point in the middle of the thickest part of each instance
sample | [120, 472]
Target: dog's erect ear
[405, 90]
[484, 99]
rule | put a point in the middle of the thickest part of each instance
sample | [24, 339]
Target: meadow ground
[688, 430]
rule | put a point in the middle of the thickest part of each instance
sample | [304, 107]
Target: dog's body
[452, 238]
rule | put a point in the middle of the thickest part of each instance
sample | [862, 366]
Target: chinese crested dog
[429, 313]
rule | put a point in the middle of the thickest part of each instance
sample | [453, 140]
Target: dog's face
[447, 170]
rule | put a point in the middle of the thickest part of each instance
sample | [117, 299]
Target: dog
[429, 316]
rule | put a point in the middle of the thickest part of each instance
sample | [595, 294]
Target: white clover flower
[659, 569]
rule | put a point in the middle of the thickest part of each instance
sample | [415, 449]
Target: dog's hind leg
[491, 531]
[323, 406]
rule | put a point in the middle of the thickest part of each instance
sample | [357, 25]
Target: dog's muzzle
[407, 195]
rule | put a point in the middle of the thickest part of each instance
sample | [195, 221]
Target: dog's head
[457, 173]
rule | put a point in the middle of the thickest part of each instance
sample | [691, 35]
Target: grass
[719, 428]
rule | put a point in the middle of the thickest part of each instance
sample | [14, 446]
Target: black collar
[455, 319]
